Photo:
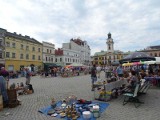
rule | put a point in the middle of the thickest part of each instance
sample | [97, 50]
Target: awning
[50, 65]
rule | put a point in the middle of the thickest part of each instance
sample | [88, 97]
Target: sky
[134, 24]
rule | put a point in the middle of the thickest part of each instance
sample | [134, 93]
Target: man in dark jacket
[93, 75]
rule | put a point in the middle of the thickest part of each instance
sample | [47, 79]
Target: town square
[59, 88]
[79, 60]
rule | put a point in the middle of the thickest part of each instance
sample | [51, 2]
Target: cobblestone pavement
[59, 88]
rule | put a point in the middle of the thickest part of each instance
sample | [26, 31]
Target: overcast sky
[134, 24]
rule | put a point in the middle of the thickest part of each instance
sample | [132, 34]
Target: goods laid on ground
[21, 89]
[71, 108]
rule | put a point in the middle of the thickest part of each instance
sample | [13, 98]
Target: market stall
[105, 91]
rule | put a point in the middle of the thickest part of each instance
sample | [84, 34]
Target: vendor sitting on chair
[133, 81]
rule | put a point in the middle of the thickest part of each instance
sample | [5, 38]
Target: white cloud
[134, 24]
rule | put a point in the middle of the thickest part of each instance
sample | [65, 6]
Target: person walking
[108, 71]
[119, 71]
[93, 75]
[28, 76]
[98, 71]
[5, 74]
[3, 91]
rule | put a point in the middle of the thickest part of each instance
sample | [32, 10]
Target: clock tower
[110, 43]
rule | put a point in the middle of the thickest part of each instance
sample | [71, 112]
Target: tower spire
[110, 43]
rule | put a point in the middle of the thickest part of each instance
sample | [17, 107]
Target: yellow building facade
[22, 51]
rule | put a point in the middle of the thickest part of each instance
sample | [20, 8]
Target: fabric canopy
[77, 65]
[137, 57]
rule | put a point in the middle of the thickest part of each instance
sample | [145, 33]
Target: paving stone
[80, 86]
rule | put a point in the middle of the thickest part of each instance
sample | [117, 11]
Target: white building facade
[78, 51]
[68, 57]
[48, 52]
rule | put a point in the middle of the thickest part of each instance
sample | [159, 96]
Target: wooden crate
[12, 94]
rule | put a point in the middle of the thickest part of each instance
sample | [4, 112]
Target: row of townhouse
[18, 51]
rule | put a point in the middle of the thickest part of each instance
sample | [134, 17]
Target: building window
[27, 56]
[150, 54]
[46, 58]
[47, 51]
[1, 55]
[8, 44]
[27, 47]
[0, 41]
[13, 55]
[33, 57]
[39, 57]
[21, 46]
[56, 60]
[39, 49]
[155, 54]
[13, 45]
[65, 59]
[60, 59]
[7, 54]
[159, 54]
[21, 56]
[50, 51]
[52, 59]
[49, 58]
[33, 49]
